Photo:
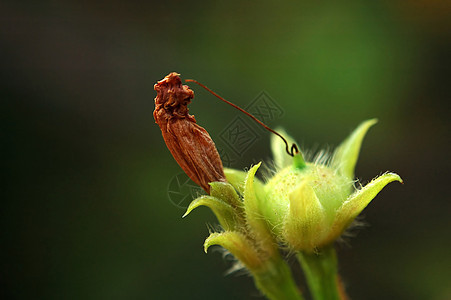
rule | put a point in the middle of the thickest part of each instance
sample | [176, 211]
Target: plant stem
[276, 282]
[320, 270]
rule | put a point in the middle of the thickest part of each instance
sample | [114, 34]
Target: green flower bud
[310, 207]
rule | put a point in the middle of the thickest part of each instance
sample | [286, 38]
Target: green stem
[321, 273]
[276, 282]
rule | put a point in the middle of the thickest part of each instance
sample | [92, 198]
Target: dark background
[85, 210]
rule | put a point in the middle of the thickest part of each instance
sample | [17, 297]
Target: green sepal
[237, 179]
[305, 223]
[238, 244]
[256, 223]
[355, 203]
[226, 192]
[346, 155]
[224, 212]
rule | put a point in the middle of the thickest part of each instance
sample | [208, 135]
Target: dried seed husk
[190, 144]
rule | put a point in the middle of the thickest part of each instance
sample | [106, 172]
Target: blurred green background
[85, 211]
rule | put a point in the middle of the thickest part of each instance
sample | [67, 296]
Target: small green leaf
[305, 223]
[226, 215]
[240, 246]
[237, 179]
[226, 192]
[354, 205]
[346, 155]
[304, 204]
[257, 224]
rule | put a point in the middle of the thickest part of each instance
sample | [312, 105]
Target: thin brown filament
[291, 151]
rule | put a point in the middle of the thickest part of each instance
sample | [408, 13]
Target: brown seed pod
[190, 144]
